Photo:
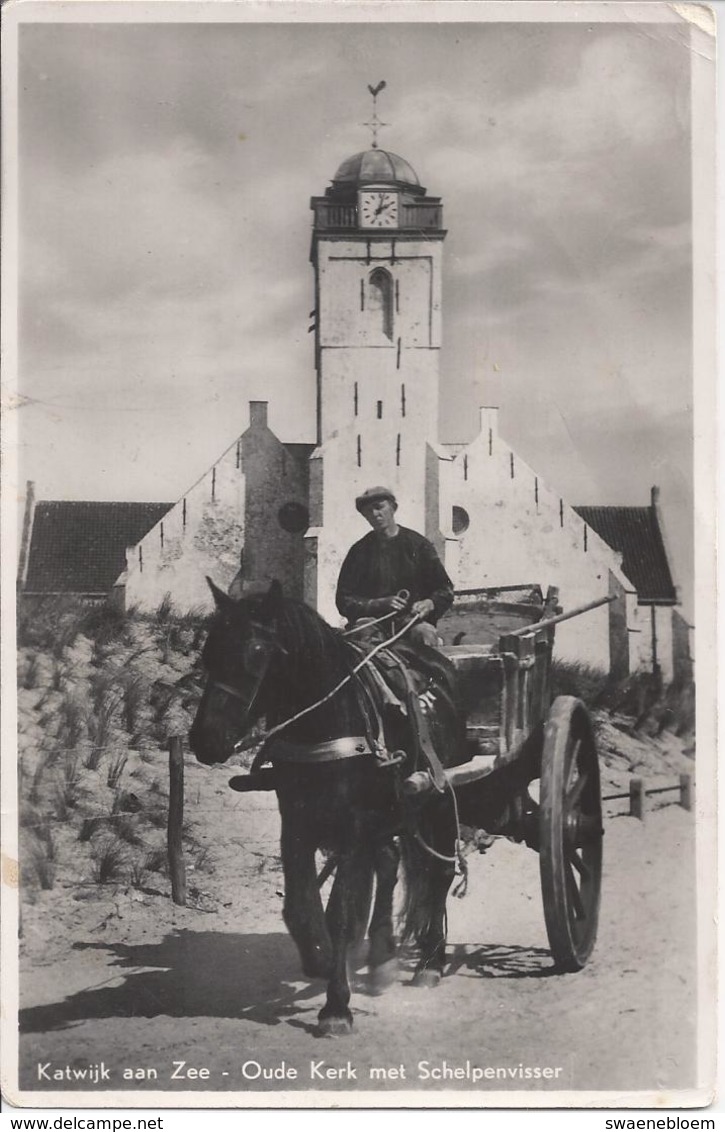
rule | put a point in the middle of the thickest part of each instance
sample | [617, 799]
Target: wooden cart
[534, 774]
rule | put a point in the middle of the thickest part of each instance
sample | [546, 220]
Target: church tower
[377, 245]
[376, 251]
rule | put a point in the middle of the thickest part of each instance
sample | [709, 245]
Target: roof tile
[636, 534]
[80, 547]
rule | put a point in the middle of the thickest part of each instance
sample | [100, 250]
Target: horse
[269, 656]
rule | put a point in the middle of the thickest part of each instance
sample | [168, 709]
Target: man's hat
[374, 495]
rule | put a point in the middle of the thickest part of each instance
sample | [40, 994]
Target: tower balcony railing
[421, 215]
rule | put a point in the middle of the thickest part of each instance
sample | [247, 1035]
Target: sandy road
[136, 985]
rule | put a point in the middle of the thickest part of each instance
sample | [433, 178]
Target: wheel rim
[570, 832]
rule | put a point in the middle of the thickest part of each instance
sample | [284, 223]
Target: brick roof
[80, 547]
[636, 534]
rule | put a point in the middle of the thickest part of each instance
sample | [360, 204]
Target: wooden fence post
[636, 798]
[177, 870]
[686, 791]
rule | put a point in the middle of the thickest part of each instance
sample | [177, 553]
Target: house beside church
[286, 511]
[638, 533]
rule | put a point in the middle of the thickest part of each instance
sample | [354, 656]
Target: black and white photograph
[358, 524]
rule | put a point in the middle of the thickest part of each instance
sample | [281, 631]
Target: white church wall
[335, 481]
[519, 531]
[365, 371]
[201, 534]
[379, 396]
[343, 269]
[241, 504]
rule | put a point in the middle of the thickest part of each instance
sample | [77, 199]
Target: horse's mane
[308, 640]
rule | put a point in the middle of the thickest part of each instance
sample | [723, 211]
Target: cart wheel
[570, 833]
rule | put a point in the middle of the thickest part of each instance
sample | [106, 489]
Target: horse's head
[240, 650]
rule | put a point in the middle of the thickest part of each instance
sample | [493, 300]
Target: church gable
[504, 526]
[509, 505]
[253, 499]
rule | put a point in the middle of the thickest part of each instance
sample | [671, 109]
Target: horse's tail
[425, 881]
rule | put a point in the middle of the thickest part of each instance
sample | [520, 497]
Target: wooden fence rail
[638, 795]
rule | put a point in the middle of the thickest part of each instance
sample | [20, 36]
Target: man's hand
[398, 602]
[423, 608]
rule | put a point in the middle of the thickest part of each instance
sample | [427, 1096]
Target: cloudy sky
[165, 176]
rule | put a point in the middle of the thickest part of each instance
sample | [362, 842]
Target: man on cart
[393, 570]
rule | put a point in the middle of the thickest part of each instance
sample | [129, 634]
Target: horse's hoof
[428, 978]
[334, 1025]
[383, 976]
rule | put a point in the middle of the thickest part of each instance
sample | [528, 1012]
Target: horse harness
[355, 746]
[371, 679]
[370, 684]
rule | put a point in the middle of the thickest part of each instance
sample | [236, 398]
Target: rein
[458, 859]
[368, 623]
[263, 736]
[350, 747]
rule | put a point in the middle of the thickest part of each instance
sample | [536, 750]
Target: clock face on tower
[378, 208]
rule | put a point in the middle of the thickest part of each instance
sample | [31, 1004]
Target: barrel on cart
[534, 773]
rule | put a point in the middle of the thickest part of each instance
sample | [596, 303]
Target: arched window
[381, 298]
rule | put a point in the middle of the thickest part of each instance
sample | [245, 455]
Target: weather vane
[374, 124]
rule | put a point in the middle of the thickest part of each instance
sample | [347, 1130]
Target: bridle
[236, 693]
[273, 646]
[317, 754]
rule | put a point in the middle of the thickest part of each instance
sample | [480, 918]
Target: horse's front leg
[382, 962]
[440, 838]
[347, 912]
[432, 960]
[303, 912]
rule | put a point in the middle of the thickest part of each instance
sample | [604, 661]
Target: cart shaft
[530, 630]
[420, 781]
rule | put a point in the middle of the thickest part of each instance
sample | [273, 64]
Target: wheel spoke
[574, 896]
[577, 790]
[577, 862]
[573, 760]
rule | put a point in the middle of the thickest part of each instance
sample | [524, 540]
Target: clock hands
[379, 208]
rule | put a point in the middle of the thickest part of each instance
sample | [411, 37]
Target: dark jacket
[376, 568]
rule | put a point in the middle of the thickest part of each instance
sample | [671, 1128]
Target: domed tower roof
[376, 166]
